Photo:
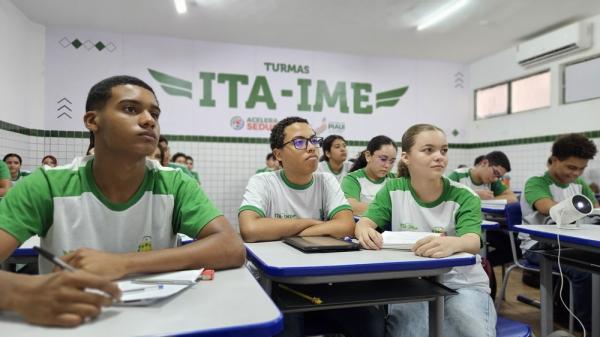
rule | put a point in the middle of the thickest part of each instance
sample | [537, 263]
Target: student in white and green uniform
[271, 162]
[369, 172]
[422, 199]
[115, 222]
[570, 156]
[485, 177]
[4, 179]
[334, 157]
[296, 200]
[14, 163]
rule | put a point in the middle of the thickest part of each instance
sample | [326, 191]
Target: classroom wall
[21, 68]
[558, 118]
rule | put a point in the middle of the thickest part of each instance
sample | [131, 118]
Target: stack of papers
[148, 289]
[403, 240]
[494, 203]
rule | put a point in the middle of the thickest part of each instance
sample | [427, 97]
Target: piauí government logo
[355, 97]
[237, 122]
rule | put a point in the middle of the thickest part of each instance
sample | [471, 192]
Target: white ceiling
[369, 27]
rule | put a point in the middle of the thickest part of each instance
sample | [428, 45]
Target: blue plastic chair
[508, 328]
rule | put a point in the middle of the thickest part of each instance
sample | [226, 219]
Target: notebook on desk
[147, 289]
[404, 239]
[494, 203]
[320, 244]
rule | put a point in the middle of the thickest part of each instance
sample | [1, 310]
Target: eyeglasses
[301, 143]
[496, 173]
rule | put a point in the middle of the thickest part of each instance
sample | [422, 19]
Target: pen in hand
[50, 257]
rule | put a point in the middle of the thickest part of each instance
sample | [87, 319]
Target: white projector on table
[568, 211]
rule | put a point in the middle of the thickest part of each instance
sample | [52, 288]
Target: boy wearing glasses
[484, 178]
[297, 200]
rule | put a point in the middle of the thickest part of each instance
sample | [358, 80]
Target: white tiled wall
[224, 168]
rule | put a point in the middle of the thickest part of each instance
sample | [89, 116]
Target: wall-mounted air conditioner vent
[563, 41]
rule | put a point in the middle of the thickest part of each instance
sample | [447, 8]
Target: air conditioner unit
[560, 42]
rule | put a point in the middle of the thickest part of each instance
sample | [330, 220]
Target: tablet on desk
[320, 244]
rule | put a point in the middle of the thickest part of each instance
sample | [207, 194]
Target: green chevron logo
[172, 85]
[310, 96]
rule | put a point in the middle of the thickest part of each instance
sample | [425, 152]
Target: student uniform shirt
[541, 187]
[4, 171]
[64, 206]
[456, 212]
[272, 195]
[359, 186]
[324, 167]
[463, 176]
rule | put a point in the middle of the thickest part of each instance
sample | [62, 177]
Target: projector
[568, 211]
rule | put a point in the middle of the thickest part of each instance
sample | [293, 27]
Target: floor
[513, 309]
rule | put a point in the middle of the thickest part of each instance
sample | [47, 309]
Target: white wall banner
[217, 89]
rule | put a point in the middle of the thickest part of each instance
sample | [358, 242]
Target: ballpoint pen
[50, 257]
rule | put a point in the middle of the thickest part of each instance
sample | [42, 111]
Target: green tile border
[255, 140]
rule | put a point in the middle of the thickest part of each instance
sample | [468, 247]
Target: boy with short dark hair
[114, 222]
[484, 178]
[570, 156]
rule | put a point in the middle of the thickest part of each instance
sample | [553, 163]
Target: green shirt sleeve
[351, 187]
[587, 191]
[468, 217]
[193, 210]
[498, 188]
[535, 189]
[27, 209]
[4, 172]
[454, 176]
[380, 209]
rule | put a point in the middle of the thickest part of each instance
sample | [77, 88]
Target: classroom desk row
[235, 304]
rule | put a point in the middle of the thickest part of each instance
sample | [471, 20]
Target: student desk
[584, 240]
[485, 226]
[233, 304]
[25, 253]
[356, 278]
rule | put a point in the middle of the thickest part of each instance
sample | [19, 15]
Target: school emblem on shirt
[438, 229]
[145, 245]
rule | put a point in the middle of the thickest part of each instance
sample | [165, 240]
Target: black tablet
[320, 244]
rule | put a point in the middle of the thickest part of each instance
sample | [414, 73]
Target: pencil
[314, 300]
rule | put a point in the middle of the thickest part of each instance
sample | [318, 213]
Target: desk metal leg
[595, 305]
[483, 250]
[436, 315]
[547, 319]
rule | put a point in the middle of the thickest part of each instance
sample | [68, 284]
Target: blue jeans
[470, 313]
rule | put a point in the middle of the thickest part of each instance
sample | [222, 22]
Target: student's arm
[4, 186]
[485, 194]
[366, 234]
[442, 246]
[254, 228]
[342, 224]
[217, 247]
[537, 195]
[55, 299]
[509, 195]
[8, 244]
[358, 208]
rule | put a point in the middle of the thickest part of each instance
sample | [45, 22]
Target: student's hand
[485, 194]
[368, 237]
[109, 265]
[60, 298]
[437, 246]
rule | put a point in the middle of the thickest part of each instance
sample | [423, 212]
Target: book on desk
[403, 240]
[494, 203]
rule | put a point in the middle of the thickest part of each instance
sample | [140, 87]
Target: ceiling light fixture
[180, 6]
[441, 14]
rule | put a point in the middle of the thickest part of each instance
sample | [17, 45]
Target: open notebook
[147, 289]
[403, 240]
[494, 203]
